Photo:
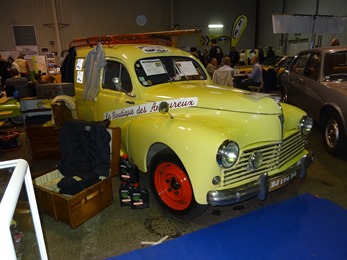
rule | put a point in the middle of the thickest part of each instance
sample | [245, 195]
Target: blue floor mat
[304, 227]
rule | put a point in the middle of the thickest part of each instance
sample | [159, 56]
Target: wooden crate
[75, 210]
[43, 142]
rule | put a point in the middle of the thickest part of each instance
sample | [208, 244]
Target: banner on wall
[282, 23]
[238, 28]
[205, 40]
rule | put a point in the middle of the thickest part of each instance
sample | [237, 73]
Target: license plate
[282, 181]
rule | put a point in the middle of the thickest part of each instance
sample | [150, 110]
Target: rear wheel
[171, 186]
[334, 134]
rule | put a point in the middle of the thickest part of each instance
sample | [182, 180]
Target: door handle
[130, 102]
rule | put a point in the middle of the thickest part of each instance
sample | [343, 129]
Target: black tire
[171, 186]
[334, 134]
[17, 120]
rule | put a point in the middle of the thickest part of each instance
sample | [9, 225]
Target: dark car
[316, 81]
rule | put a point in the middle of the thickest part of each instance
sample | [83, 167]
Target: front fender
[194, 143]
[10, 105]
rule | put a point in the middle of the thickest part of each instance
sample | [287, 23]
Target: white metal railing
[8, 205]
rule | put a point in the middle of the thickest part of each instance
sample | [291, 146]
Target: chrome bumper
[261, 186]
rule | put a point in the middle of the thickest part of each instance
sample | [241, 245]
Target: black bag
[9, 140]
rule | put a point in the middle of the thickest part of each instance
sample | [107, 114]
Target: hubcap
[332, 133]
[173, 186]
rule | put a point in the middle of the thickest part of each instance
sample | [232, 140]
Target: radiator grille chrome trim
[274, 157]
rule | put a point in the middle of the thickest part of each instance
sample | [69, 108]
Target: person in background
[242, 60]
[226, 65]
[334, 42]
[261, 55]
[23, 66]
[195, 52]
[4, 73]
[252, 53]
[212, 66]
[234, 57]
[216, 51]
[11, 63]
[270, 53]
[14, 83]
[224, 74]
[255, 77]
[206, 57]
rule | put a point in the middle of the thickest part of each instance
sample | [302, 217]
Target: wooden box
[43, 142]
[75, 210]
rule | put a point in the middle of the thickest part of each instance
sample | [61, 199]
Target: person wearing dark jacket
[216, 51]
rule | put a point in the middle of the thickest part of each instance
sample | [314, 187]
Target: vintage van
[199, 144]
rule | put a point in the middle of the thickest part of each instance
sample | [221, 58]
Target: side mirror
[164, 108]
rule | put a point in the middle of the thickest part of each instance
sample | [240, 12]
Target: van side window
[115, 70]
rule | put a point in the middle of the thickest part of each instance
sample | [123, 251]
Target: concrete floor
[118, 230]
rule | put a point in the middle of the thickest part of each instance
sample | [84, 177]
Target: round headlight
[305, 125]
[227, 154]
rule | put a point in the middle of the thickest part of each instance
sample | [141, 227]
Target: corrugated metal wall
[83, 18]
[93, 18]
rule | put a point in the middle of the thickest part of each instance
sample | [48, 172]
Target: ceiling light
[215, 26]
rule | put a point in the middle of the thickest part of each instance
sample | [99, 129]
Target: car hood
[216, 97]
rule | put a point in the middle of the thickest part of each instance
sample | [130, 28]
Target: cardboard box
[75, 210]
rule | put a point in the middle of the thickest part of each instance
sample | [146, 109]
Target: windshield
[336, 66]
[159, 70]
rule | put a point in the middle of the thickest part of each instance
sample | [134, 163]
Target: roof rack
[167, 38]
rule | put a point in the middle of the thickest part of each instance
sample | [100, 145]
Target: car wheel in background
[17, 120]
[171, 186]
[334, 134]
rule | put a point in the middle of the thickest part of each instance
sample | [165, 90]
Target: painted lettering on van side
[150, 108]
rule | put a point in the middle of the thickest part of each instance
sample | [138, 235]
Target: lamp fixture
[213, 26]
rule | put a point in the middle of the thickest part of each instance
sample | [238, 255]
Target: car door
[305, 81]
[113, 98]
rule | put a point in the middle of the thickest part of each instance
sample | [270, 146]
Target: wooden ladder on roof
[167, 38]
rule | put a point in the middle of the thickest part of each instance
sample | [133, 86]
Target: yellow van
[199, 144]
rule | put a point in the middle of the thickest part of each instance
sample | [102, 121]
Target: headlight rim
[222, 152]
[305, 125]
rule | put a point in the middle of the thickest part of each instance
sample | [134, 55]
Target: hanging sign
[238, 28]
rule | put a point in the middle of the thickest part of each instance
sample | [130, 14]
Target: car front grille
[274, 156]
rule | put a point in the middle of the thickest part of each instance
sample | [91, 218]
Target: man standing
[216, 51]
[4, 73]
[234, 57]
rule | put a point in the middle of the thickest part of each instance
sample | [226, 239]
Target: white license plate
[282, 181]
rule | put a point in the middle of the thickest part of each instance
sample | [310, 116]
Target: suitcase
[78, 208]
[51, 90]
[9, 140]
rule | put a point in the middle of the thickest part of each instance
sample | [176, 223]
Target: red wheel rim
[173, 186]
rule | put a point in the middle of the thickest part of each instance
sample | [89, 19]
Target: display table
[12, 175]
